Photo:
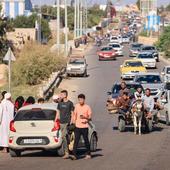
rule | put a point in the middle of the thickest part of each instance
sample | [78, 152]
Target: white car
[147, 59]
[125, 39]
[165, 74]
[37, 127]
[117, 47]
[115, 39]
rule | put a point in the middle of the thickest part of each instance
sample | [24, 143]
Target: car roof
[149, 73]
[50, 106]
[143, 46]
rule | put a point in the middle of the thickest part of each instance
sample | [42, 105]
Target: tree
[138, 4]
[168, 8]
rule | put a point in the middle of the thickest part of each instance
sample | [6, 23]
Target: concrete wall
[21, 36]
[147, 40]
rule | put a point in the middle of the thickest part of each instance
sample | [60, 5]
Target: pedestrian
[19, 102]
[41, 100]
[30, 100]
[6, 116]
[65, 110]
[82, 116]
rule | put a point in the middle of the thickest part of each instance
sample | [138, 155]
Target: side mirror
[109, 93]
[162, 73]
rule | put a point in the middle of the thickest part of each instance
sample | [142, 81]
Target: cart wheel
[150, 125]
[121, 125]
[93, 142]
[167, 119]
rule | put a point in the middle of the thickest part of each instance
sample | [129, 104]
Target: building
[14, 8]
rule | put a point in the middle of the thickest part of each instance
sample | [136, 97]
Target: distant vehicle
[134, 49]
[114, 94]
[152, 49]
[125, 39]
[152, 81]
[76, 66]
[166, 74]
[117, 47]
[130, 68]
[115, 39]
[36, 127]
[147, 59]
[107, 53]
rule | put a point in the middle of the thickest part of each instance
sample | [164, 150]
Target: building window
[7, 8]
[16, 9]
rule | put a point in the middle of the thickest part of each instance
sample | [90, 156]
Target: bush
[144, 34]
[35, 64]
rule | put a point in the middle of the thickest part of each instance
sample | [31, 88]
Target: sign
[9, 56]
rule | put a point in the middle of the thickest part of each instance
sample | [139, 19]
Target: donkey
[137, 112]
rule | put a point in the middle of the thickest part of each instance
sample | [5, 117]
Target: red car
[107, 53]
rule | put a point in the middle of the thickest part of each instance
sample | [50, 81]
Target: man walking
[65, 111]
[81, 117]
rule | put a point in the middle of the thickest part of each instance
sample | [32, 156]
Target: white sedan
[117, 47]
[115, 39]
[147, 59]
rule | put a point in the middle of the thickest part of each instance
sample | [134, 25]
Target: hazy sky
[160, 2]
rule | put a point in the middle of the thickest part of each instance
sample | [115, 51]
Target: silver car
[76, 66]
[166, 74]
[36, 127]
[152, 81]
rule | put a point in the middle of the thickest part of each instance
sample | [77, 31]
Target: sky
[124, 2]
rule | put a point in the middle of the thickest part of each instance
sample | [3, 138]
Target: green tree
[168, 8]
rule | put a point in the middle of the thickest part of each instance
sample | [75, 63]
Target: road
[116, 151]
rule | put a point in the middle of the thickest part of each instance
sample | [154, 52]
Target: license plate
[32, 141]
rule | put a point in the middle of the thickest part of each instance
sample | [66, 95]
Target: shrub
[34, 64]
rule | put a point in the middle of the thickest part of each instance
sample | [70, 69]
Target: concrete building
[13, 8]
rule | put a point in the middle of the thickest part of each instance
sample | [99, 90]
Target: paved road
[116, 151]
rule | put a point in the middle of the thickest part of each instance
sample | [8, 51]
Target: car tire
[121, 125]
[14, 153]
[85, 74]
[60, 151]
[167, 119]
[93, 142]
[150, 125]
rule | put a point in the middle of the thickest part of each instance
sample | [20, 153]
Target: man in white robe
[6, 116]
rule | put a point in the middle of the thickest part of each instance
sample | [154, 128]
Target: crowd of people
[77, 116]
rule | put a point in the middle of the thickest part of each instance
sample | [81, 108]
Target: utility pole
[81, 17]
[78, 18]
[75, 19]
[58, 27]
[66, 28]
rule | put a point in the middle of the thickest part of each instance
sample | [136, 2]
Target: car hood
[153, 86]
[75, 65]
[148, 60]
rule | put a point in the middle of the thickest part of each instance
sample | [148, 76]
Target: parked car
[107, 53]
[166, 74]
[117, 47]
[152, 49]
[76, 66]
[36, 127]
[134, 49]
[114, 94]
[152, 81]
[130, 68]
[147, 59]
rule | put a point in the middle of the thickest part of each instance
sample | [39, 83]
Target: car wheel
[157, 60]
[167, 119]
[150, 125]
[85, 74]
[14, 153]
[60, 151]
[93, 142]
[121, 125]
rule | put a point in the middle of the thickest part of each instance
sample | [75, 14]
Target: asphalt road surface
[116, 151]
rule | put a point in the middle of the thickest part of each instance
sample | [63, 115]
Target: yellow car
[130, 68]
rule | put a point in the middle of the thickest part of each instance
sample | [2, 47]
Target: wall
[147, 40]
[21, 36]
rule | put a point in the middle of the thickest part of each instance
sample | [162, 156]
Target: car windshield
[148, 79]
[133, 64]
[106, 49]
[114, 38]
[132, 87]
[76, 61]
[115, 45]
[145, 56]
[35, 115]
[136, 46]
[168, 70]
[148, 48]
